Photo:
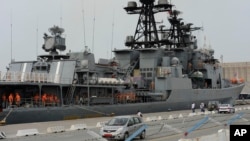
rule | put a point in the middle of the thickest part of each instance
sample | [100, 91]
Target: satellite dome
[211, 51]
[175, 61]
[197, 74]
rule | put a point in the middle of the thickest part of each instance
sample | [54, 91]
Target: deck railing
[29, 77]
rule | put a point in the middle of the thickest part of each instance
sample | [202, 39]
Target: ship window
[149, 74]
[143, 74]
[44, 68]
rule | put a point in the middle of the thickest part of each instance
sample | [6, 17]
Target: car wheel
[125, 136]
[231, 111]
[143, 135]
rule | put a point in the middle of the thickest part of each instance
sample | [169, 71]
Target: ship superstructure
[161, 60]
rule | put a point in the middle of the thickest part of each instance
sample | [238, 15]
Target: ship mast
[180, 32]
[146, 34]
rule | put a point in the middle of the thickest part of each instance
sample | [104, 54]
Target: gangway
[136, 133]
[70, 93]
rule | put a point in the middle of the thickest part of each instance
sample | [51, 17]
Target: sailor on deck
[139, 113]
[11, 99]
[193, 107]
[4, 101]
[17, 99]
[202, 106]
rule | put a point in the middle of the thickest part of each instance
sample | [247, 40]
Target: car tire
[125, 136]
[143, 135]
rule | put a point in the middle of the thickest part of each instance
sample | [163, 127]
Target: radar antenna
[146, 34]
[54, 42]
[179, 33]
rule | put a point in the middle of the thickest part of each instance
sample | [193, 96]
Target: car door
[137, 123]
[131, 126]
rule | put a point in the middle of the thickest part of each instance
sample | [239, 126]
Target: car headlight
[119, 130]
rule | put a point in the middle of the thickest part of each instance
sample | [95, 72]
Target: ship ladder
[131, 68]
[70, 93]
[3, 121]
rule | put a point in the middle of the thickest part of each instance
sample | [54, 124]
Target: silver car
[121, 127]
[226, 108]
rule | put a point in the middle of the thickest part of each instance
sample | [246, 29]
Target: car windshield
[224, 105]
[117, 122]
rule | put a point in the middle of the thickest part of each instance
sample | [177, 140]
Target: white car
[121, 127]
[226, 108]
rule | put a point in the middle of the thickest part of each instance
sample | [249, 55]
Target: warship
[160, 69]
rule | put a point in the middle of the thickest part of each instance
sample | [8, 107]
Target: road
[170, 126]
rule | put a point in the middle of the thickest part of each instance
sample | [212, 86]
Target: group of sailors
[125, 97]
[11, 99]
[15, 99]
[47, 100]
[202, 107]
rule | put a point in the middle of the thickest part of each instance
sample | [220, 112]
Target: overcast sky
[226, 26]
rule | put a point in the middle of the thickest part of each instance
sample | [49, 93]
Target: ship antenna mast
[93, 37]
[112, 36]
[61, 13]
[146, 33]
[11, 35]
[37, 36]
[84, 36]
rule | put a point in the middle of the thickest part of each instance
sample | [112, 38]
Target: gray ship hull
[179, 99]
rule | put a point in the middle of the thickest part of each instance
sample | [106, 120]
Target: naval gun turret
[55, 41]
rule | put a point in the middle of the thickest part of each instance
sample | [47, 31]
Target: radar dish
[56, 30]
[176, 12]
[49, 44]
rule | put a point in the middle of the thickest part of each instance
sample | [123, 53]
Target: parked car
[226, 108]
[121, 127]
[213, 105]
